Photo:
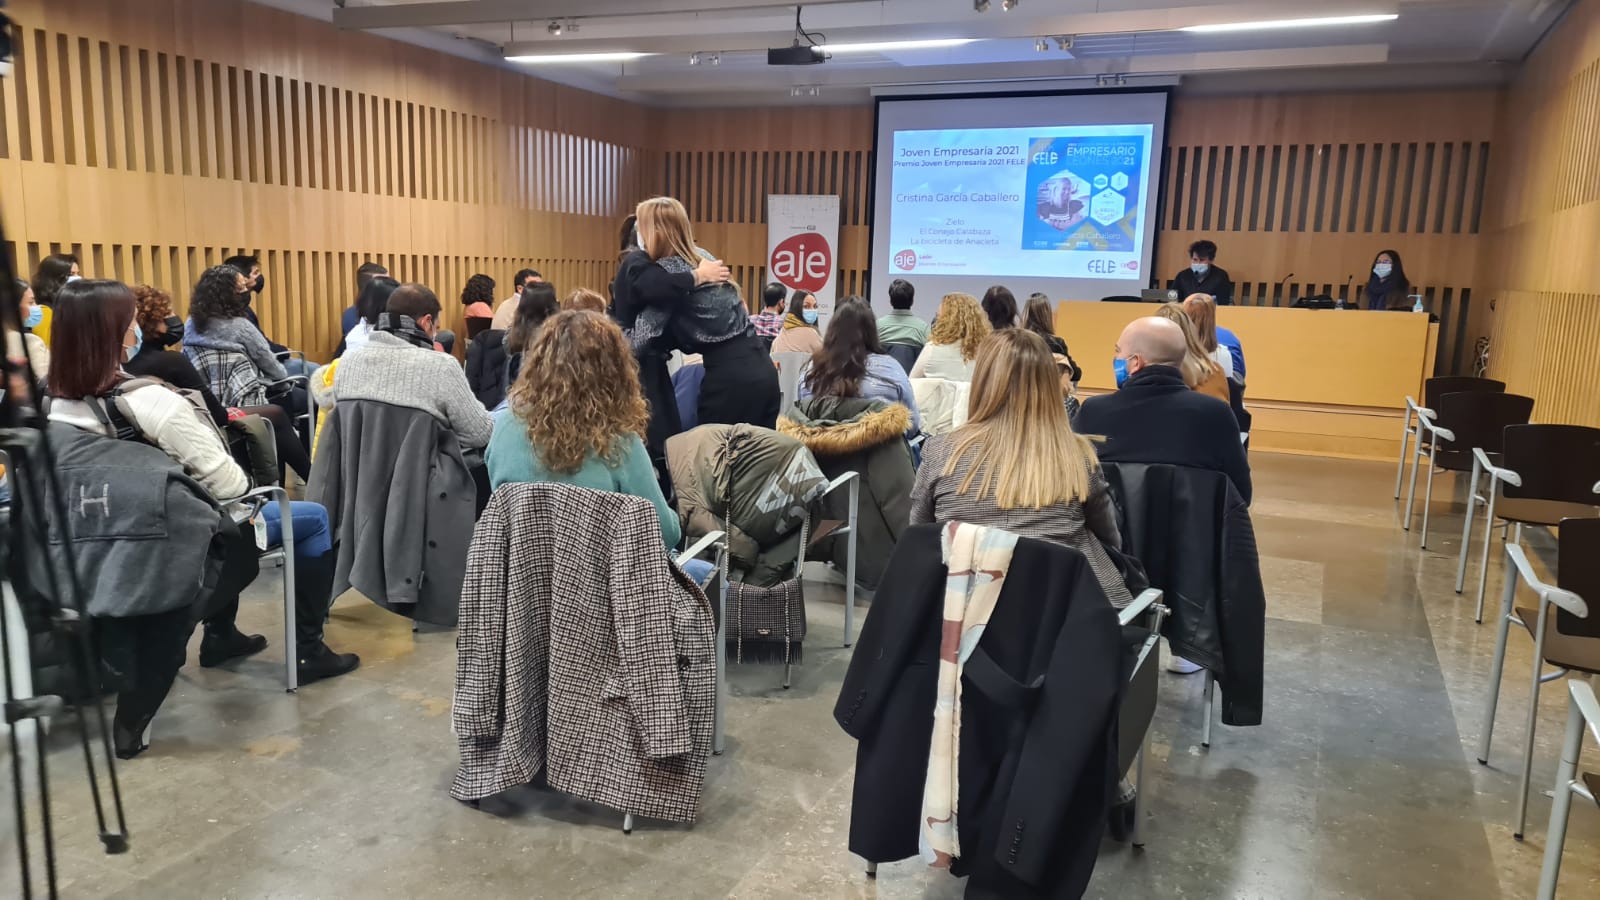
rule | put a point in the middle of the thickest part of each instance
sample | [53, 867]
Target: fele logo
[802, 262]
[905, 260]
[1103, 266]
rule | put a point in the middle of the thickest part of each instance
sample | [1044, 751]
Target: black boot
[224, 643]
[128, 739]
[317, 661]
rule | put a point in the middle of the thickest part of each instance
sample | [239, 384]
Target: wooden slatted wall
[156, 137]
[1309, 184]
[1543, 224]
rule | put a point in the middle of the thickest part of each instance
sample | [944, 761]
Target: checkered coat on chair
[584, 652]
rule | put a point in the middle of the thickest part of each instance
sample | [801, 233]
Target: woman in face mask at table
[1388, 288]
[1204, 276]
[800, 334]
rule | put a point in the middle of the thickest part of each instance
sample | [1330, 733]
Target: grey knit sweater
[239, 336]
[389, 370]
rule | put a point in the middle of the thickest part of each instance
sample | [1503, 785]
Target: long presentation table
[1321, 382]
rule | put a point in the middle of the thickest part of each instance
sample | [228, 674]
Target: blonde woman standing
[1200, 370]
[1017, 465]
[953, 342]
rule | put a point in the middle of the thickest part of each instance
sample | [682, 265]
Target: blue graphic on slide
[1083, 193]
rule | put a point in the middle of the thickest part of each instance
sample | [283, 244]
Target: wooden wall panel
[1312, 185]
[1543, 222]
[156, 137]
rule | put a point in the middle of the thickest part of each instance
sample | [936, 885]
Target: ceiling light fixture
[694, 59]
[1064, 42]
[554, 28]
[1008, 5]
[575, 58]
[1291, 23]
[805, 90]
[980, 5]
[716, 59]
[1041, 45]
[879, 46]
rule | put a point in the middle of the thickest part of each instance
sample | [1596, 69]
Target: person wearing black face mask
[257, 282]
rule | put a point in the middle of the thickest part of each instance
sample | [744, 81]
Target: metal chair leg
[1411, 492]
[1466, 525]
[1427, 498]
[1533, 722]
[627, 823]
[1138, 798]
[850, 564]
[872, 870]
[1205, 733]
[1556, 835]
[291, 652]
[1400, 468]
[1498, 669]
[1483, 562]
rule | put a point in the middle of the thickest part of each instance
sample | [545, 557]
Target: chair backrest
[1556, 462]
[1578, 571]
[230, 374]
[1434, 388]
[904, 354]
[790, 365]
[1477, 419]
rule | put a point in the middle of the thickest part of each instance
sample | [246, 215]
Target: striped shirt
[1081, 525]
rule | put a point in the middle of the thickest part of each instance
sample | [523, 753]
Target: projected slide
[1043, 202]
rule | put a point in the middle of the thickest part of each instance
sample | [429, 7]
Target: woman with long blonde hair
[1016, 464]
[1200, 370]
[1202, 311]
[953, 342]
[576, 416]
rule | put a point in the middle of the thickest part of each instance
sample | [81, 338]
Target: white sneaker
[1182, 666]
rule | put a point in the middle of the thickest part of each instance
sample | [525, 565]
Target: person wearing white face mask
[1204, 276]
[1388, 288]
[32, 316]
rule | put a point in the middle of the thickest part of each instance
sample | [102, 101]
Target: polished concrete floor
[1361, 783]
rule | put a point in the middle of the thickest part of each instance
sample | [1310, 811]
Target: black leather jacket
[1192, 531]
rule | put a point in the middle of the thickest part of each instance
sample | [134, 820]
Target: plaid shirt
[768, 325]
[231, 376]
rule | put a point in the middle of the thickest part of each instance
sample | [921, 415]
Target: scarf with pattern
[404, 328]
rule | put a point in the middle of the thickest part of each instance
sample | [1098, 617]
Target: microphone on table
[1283, 282]
[1345, 294]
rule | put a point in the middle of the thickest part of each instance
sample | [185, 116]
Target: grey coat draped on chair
[400, 503]
[583, 652]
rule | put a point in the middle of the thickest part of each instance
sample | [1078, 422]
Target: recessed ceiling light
[694, 59]
[1292, 23]
[980, 5]
[1008, 5]
[554, 28]
[549, 58]
[876, 46]
[1041, 45]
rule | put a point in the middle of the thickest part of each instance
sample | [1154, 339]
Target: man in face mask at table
[1155, 417]
[1204, 276]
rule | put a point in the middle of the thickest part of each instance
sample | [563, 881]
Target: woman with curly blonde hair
[577, 416]
[953, 343]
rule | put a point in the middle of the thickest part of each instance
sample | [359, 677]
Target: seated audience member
[536, 305]
[54, 271]
[1203, 275]
[477, 304]
[900, 325]
[96, 337]
[1017, 465]
[257, 282]
[799, 333]
[400, 366]
[1039, 318]
[584, 299]
[370, 304]
[1000, 305]
[352, 315]
[27, 344]
[1154, 416]
[1202, 312]
[1224, 338]
[217, 325]
[506, 313]
[769, 322]
[577, 417]
[1200, 369]
[852, 363]
[958, 330]
[160, 333]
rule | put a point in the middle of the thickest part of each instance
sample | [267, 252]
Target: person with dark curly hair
[477, 298]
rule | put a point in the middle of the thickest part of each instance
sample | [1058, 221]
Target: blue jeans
[311, 535]
[699, 570]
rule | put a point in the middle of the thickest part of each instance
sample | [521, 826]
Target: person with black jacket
[1154, 417]
[1388, 288]
[1204, 276]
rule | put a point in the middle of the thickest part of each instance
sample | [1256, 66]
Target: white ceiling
[1432, 43]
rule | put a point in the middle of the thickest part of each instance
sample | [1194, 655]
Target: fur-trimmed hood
[840, 426]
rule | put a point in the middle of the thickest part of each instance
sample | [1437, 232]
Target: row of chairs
[1538, 475]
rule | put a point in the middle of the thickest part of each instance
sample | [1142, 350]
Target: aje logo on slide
[905, 260]
[803, 262]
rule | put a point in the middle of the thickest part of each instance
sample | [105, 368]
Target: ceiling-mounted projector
[797, 55]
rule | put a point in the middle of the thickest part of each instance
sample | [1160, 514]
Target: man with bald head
[1154, 417]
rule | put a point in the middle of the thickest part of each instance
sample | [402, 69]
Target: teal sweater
[512, 459]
